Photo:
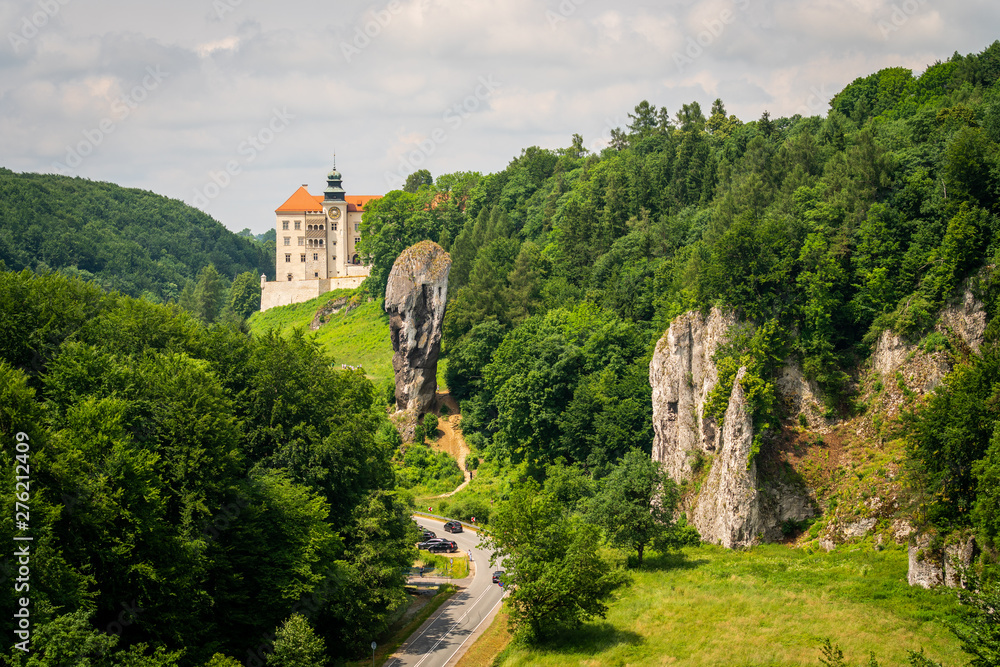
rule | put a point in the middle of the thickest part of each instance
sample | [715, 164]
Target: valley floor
[771, 605]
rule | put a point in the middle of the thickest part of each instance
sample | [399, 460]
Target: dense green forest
[819, 233]
[129, 240]
[191, 491]
[199, 492]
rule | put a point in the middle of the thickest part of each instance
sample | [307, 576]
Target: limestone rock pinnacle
[415, 298]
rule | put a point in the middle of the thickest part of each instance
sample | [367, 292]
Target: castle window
[288, 256]
[298, 225]
[289, 276]
[315, 256]
[302, 257]
[357, 227]
[309, 227]
[322, 227]
[321, 244]
[335, 226]
[284, 224]
[301, 241]
[335, 242]
[357, 239]
[315, 274]
[288, 240]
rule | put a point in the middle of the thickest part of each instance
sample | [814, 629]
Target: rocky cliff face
[930, 566]
[415, 299]
[727, 511]
[682, 374]
[734, 506]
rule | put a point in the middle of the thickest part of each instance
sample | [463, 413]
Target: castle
[316, 245]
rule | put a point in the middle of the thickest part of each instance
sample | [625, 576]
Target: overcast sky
[230, 105]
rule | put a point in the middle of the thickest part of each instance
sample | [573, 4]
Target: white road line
[473, 630]
[427, 653]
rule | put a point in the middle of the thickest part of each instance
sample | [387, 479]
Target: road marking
[427, 653]
[473, 631]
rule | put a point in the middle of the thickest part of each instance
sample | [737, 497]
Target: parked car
[453, 526]
[438, 545]
[498, 577]
[428, 534]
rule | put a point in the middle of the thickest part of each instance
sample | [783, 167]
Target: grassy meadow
[770, 605]
[358, 338]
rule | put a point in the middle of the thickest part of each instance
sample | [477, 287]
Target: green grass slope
[356, 338]
[770, 605]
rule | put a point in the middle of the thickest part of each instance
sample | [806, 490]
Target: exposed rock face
[963, 321]
[728, 509]
[800, 396]
[682, 374]
[415, 299]
[930, 567]
[332, 307]
[965, 318]
[733, 508]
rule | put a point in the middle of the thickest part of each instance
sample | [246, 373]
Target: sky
[230, 105]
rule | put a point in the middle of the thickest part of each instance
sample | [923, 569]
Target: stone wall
[282, 293]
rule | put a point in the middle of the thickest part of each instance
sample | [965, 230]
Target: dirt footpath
[451, 441]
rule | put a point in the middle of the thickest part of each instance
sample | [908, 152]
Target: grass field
[358, 338]
[771, 605]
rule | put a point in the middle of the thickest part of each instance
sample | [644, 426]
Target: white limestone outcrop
[415, 299]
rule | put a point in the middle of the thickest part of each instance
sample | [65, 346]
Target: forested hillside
[820, 233]
[129, 240]
[194, 488]
[188, 491]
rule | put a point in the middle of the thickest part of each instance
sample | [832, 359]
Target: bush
[430, 424]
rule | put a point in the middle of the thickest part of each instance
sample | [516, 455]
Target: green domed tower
[333, 190]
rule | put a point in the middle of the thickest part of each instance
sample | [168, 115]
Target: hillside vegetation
[230, 492]
[819, 233]
[356, 335]
[217, 482]
[767, 606]
[125, 239]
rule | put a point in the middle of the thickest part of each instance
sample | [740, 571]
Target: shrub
[430, 424]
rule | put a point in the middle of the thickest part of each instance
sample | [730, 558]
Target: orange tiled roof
[357, 202]
[300, 201]
[354, 202]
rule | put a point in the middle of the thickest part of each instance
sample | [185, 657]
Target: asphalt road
[448, 634]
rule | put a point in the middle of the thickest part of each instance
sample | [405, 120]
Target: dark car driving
[498, 577]
[453, 526]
